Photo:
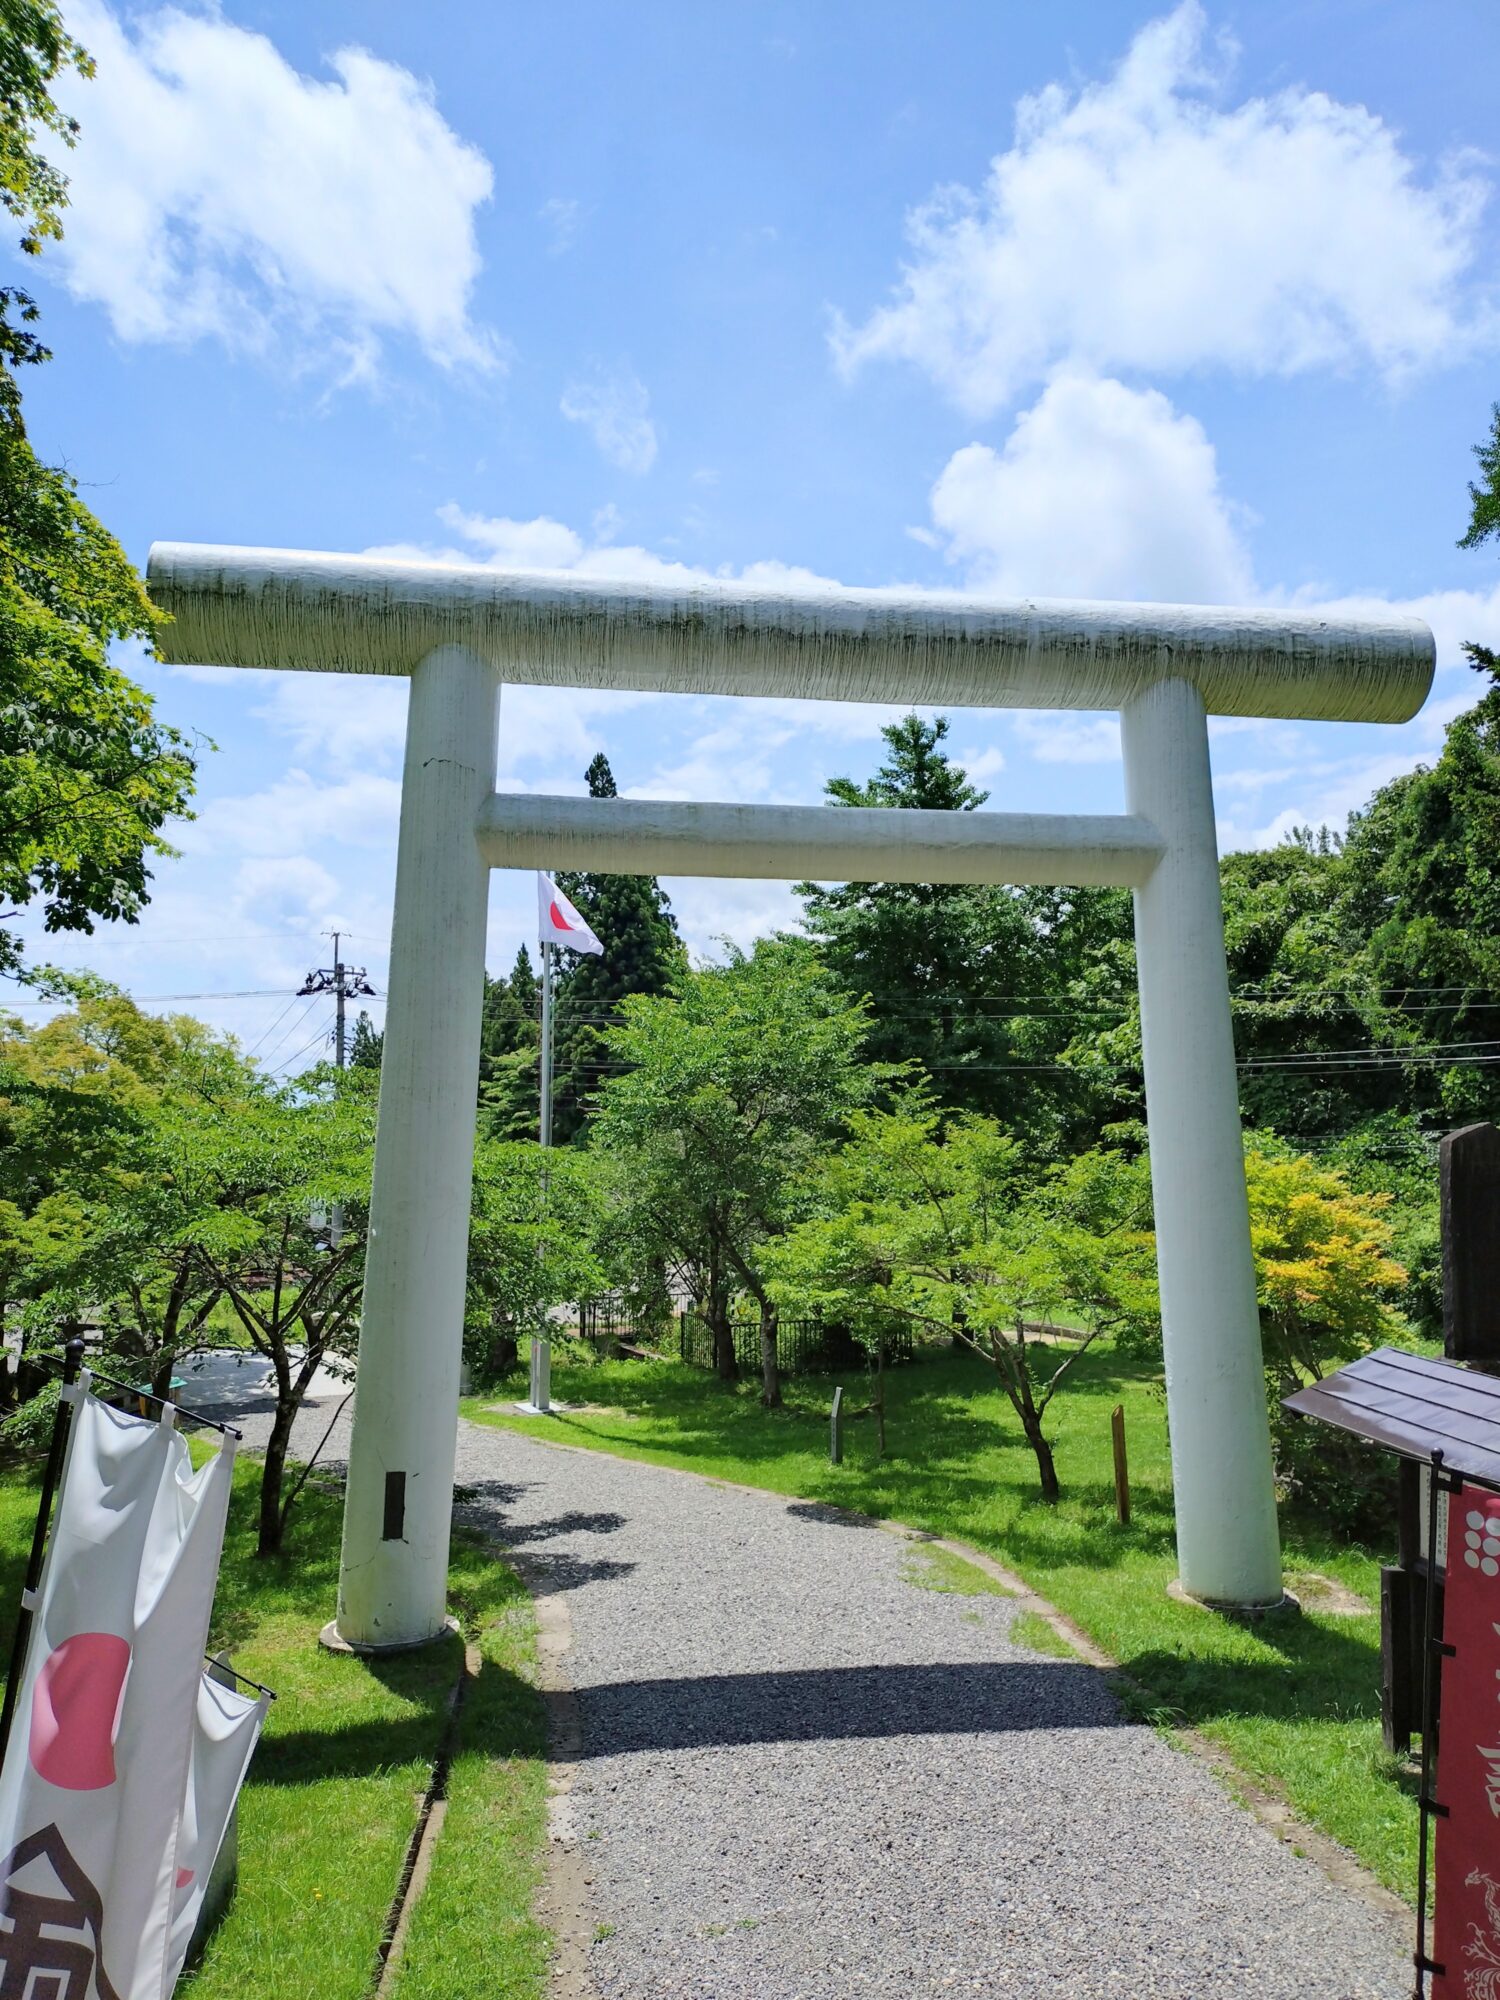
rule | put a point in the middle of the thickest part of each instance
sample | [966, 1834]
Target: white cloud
[616, 410]
[293, 891]
[218, 191]
[981, 764]
[297, 811]
[708, 910]
[1100, 491]
[1325, 793]
[543, 543]
[1061, 737]
[347, 722]
[1145, 223]
[1454, 615]
[563, 216]
[537, 544]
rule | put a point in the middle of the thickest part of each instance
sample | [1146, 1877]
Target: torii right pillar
[1228, 1546]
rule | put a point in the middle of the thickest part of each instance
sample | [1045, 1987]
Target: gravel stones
[804, 1774]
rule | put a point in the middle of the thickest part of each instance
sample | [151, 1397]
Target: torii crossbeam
[459, 633]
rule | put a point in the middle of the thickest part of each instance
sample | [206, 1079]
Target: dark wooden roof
[1413, 1406]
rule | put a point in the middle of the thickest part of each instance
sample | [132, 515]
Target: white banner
[123, 1765]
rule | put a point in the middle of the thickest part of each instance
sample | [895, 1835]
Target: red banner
[1466, 1918]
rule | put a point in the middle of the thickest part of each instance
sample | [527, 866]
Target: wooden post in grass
[835, 1430]
[1122, 1470]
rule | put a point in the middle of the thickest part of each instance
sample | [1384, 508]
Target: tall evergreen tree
[367, 1043]
[958, 977]
[632, 918]
[509, 1052]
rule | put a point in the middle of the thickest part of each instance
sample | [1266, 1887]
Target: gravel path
[806, 1773]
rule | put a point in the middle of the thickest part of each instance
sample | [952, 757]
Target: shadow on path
[844, 1703]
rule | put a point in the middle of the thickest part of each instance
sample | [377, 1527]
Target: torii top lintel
[242, 607]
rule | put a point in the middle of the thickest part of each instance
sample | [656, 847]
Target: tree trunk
[770, 1373]
[726, 1364]
[1045, 1464]
[269, 1543]
[877, 1401]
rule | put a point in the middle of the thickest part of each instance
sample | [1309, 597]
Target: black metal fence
[803, 1346]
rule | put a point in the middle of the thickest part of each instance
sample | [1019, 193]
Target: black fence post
[72, 1365]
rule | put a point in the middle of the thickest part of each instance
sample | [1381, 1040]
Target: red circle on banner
[74, 1708]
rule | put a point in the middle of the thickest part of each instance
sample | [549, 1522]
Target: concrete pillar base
[333, 1641]
[1286, 1603]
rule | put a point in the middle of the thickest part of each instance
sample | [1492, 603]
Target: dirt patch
[1316, 1592]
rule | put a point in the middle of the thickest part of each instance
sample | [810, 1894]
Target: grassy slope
[1296, 1700]
[332, 1795]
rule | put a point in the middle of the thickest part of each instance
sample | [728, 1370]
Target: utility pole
[345, 983]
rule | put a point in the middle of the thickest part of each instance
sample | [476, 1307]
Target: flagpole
[541, 1347]
[546, 1107]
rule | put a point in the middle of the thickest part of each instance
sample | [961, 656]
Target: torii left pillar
[394, 1571]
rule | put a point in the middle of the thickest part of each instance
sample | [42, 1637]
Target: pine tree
[632, 918]
[509, 1052]
[367, 1043]
[941, 962]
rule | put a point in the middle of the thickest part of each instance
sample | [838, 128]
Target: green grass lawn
[333, 1791]
[1295, 1700]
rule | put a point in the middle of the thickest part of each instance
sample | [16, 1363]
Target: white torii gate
[458, 633]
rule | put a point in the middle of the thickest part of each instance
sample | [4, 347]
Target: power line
[138, 999]
[250, 1052]
[295, 1029]
[282, 1067]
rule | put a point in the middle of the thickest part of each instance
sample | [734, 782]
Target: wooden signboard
[1466, 1905]
[1469, 1183]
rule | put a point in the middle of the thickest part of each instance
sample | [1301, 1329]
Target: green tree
[1484, 521]
[79, 1096]
[970, 982]
[510, 1053]
[367, 1044]
[1327, 1284]
[34, 49]
[536, 1236]
[731, 1087]
[88, 777]
[291, 1155]
[1423, 888]
[1323, 1269]
[133, 1252]
[632, 918]
[933, 1219]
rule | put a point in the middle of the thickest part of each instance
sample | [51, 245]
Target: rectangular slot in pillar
[394, 1529]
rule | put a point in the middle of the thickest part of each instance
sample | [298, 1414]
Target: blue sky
[1079, 300]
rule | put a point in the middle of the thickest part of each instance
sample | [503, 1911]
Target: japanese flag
[559, 922]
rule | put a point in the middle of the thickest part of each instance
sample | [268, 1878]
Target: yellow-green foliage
[1323, 1265]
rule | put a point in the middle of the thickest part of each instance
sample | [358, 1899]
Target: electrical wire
[250, 1052]
[281, 1068]
[247, 993]
[295, 1029]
